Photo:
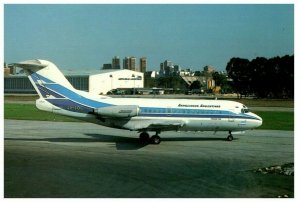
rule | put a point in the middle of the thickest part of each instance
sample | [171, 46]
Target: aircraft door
[231, 118]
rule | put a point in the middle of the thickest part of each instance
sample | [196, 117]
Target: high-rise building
[168, 67]
[208, 69]
[126, 63]
[168, 63]
[177, 68]
[107, 66]
[129, 63]
[116, 63]
[132, 63]
[143, 64]
[162, 69]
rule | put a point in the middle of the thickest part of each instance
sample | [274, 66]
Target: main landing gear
[229, 137]
[145, 138]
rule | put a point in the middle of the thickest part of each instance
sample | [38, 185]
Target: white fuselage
[195, 115]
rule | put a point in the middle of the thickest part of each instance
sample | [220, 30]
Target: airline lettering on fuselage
[202, 105]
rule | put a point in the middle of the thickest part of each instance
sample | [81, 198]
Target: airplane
[58, 96]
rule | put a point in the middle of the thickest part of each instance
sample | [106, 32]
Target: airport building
[98, 84]
[22, 85]
[107, 80]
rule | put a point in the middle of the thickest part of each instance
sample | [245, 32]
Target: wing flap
[163, 125]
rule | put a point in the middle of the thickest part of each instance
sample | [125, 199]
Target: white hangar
[110, 79]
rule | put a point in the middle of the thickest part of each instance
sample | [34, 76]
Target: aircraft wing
[160, 125]
[121, 113]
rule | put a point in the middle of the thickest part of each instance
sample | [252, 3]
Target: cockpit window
[244, 109]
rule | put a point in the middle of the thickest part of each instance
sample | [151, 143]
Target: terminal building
[107, 80]
[97, 84]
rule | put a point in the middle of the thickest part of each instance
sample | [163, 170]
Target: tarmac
[61, 159]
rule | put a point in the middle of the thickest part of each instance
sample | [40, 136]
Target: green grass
[289, 103]
[271, 120]
[276, 120]
[30, 112]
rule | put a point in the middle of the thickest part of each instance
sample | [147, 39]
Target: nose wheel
[155, 139]
[229, 137]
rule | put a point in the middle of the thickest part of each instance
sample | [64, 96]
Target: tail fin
[56, 93]
[42, 73]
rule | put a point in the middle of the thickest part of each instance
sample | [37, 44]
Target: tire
[144, 137]
[229, 138]
[155, 139]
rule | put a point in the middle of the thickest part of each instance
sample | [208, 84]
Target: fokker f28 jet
[57, 95]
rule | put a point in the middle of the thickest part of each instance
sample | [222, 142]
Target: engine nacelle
[120, 111]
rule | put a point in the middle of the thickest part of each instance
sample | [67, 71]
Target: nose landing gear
[229, 137]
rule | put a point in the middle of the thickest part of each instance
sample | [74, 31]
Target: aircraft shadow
[121, 143]
[128, 143]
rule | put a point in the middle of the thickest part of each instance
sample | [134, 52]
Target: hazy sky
[86, 36]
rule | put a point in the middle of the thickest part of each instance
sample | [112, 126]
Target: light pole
[111, 81]
[133, 76]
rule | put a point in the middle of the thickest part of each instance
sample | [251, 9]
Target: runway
[55, 159]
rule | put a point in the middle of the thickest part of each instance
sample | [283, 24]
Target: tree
[286, 78]
[175, 82]
[238, 70]
[265, 78]
[150, 82]
[220, 79]
[259, 73]
[195, 85]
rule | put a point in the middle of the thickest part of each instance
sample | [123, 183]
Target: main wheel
[144, 137]
[155, 139]
[229, 138]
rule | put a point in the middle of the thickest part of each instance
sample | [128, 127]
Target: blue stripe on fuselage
[197, 116]
[191, 113]
[70, 105]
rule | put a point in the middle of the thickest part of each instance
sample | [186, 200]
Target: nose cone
[258, 119]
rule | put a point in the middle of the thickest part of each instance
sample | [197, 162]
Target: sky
[80, 37]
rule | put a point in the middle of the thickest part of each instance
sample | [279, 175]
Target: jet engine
[120, 111]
